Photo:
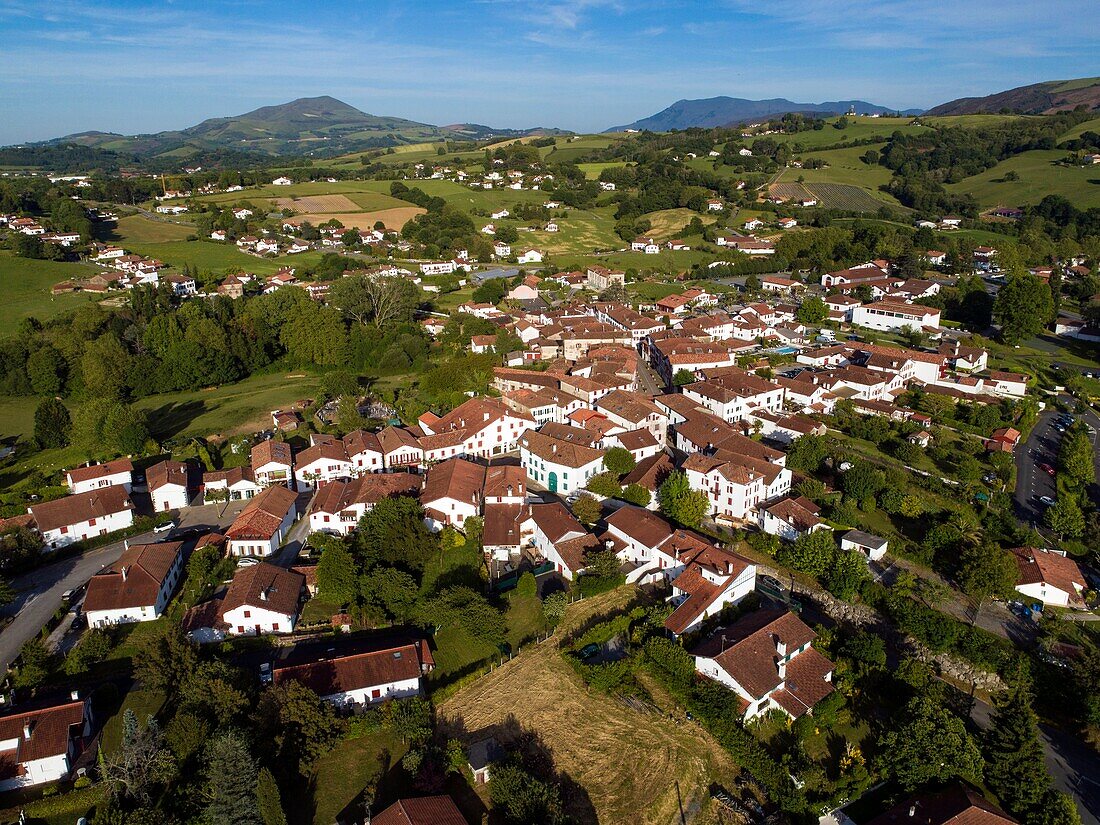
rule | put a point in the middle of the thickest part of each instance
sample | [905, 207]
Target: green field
[140, 229]
[25, 288]
[592, 170]
[463, 196]
[218, 258]
[580, 231]
[845, 166]
[859, 128]
[1039, 176]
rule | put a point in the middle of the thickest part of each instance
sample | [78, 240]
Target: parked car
[1046, 468]
[1047, 500]
[167, 527]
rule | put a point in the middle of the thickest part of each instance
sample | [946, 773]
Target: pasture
[582, 230]
[668, 222]
[394, 218]
[845, 166]
[140, 229]
[217, 258]
[1039, 176]
[25, 288]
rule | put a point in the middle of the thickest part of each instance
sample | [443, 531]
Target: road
[1073, 764]
[39, 592]
[648, 380]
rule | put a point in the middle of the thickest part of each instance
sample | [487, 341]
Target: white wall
[268, 621]
[170, 497]
[85, 530]
[366, 695]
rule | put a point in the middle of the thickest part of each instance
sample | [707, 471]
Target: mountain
[726, 111]
[310, 126]
[1038, 98]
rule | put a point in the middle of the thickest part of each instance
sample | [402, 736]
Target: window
[275, 626]
[240, 629]
[248, 614]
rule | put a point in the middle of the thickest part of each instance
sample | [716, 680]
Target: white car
[1047, 500]
[165, 528]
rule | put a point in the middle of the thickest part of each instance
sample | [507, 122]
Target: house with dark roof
[559, 538]
[39, 744]
[650, 473]
[273, 463]
[83, 515]
[766, 658]
[957, 804]
[137, 587]
[169, 485]
[260, 527]
[452, 493]
[559, 465]
[229, 485]
[362, 677]
[871, 546]
[260, 599]
[426, 810]
[338, 507]
[790, 518]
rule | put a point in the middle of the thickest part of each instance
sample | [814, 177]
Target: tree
[522, 798]
[985, 571]
[296, 723]
[375, 299]
[810, 553]
[1057, 809]
[103, 367]
[930, 745]
[683, 377]
[605, 484]
[637, 494]
[410, 719]
[52, 424]
[847, 572]
[230, 774]
[269, 804]
[34, 664]
[337, 576]
[140, 764]
[812, 310]
[1023, 307]
[46, 368]
[679, 502]
[862, 481]
[619, 461]
[807, 452]
[1015, 770]
[1065, 517]
[587, 509]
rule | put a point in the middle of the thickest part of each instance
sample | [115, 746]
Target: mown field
[580, 231]
[218, 257]
[1039, 176]
[859, 128]
[633, 766]
[25, 288]
[845, 166]
[140, 229]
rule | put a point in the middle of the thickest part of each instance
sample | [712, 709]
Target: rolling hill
[725, 111]
[310, 126]
[1037, 98]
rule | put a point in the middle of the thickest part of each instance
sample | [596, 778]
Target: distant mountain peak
[1036, 98]
[712, 112]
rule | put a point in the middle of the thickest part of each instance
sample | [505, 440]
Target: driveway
[39, 591]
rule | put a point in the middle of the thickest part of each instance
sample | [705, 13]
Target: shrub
[606, 485]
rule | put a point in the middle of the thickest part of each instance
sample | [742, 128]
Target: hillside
[724, 111]
[1037, 98]
[312, 126]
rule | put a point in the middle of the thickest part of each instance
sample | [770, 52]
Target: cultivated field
[791, 191]
[667, 222]
[849, 198]
[393, 218]
[318, 203]
[636, 766]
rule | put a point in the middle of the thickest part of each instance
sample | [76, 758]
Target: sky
[134, 66]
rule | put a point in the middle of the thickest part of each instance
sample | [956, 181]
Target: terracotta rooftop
[135, 579]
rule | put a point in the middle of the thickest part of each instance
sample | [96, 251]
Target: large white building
[339, 507]
[118, 473]
[168, 486]
[891, 316]
[558, 465]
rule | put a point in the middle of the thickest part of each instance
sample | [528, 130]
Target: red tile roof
[264, 585]
[261, 517]
[78, 474]
[344, 673]
[135, 579]
[957, 805]
[51, 730]
[427, 810]
[62, 512]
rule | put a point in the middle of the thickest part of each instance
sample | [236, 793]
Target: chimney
[28, 726]
[263, 594]
[125, 571]
[912, 810]
[74, 695]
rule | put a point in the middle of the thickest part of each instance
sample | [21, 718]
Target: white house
[736, 484]
[361, 678]
[873, 547]
[790, 518]
[229, 485]
[322, 463]
[282, 182]
[118, 473]
[560, 539]
[890, 316]
[261, 599]
[558, 465]
[168, 486]
[137, 587]
[766, 658]
[1012, 384]
[273, 463]
[263, 523]
[1050, 577]
[501, 249]
[452, 493]
[83, 516]
[41, 743]
[340, 506]
[531, 256]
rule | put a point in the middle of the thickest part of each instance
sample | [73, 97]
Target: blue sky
[146, 65]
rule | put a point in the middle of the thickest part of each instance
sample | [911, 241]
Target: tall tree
[52, 424]
[141, 763]
[986, 571]
[230, 774]
[1023, 307]
[268, 801]
[679, 502]
[1015, 771]
[930, 745]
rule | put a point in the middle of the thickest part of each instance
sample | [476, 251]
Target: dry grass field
[667, 222]
[318, 203]
[393, 218]
[635, 765]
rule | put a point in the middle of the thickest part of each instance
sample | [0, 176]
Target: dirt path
[636, 766]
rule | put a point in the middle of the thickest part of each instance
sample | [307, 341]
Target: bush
[606, 485]
[671, 658]
[588, 585]
[636, 494]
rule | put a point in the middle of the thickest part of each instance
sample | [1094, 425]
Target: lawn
[1039, 176]
[845, 166]
[340, 776]
[486, 200]
[25, 288]
[592, 170]
[631, 765]
[218, 258]
[51, 810]
[144, 703]
[581, 231]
